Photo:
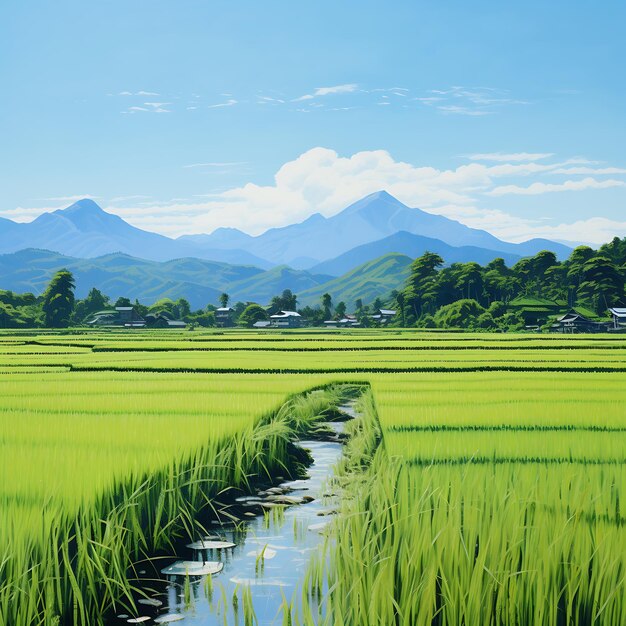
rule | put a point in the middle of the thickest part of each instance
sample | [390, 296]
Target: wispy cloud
[568, 185]
[594, 171]
[510, 156]
[69, 198]
[475, 101]
[149, 107]
[138, 93]
[228, 103]
[215, 164]
[328, 91]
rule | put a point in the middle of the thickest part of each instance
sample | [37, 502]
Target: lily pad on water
[170, 617]
[267, 553]
[193, 568]
[210, 544]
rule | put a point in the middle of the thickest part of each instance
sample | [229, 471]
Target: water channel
[262, 557]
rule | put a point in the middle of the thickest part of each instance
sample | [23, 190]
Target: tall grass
[455, 543]
[97, 473]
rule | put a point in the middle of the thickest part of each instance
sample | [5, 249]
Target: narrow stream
[264, 557]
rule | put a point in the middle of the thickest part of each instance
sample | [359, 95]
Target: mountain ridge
[85, 230]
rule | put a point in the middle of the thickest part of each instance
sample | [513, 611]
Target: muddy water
[271, 552]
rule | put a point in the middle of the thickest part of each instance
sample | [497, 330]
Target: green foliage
[58, 300]
[252, 313]
[460, 314]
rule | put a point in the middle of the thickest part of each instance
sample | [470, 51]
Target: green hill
[368, 281]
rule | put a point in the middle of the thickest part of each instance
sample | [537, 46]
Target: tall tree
[603, 284]
[340, 310]
[420, 290]
[289, 300]
[224, 298]
[327, 303]
[58, 300]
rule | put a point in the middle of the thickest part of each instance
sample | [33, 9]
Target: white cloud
[588, 170]
[215, 164]
[328, 91]
[510, 156]
[228, 103]
[474, 101]
[455, 109]
[568, 185]
[320, 180]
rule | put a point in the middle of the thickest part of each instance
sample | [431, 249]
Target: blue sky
[185, 116]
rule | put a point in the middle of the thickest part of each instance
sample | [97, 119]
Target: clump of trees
[468, 295]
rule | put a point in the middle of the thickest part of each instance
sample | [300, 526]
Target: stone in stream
[150, 602]
[211, 544]
[286, 500]
[193, 568]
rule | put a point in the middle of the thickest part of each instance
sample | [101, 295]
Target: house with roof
[619, 318]
[537, 311]
[575, 322]
[348, 321]
[224, 317]
[383, 316]
[125, 316]
[286, 319]
[262, 324]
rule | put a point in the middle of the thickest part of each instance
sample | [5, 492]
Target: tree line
[468, 294]
[459, 295]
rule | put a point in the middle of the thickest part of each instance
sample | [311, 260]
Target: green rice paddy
[494, 497]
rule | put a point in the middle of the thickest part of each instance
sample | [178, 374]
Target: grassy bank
[99, 473]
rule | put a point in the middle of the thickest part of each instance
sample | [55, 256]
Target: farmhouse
[619, 318]
[286, 319]
[537, 311]
[121, 316]
[383, 316]
[575, 322]
[224, 316]
[349, 321]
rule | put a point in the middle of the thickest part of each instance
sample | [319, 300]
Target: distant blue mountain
[412, 246]
[372, 218]
[84, 230]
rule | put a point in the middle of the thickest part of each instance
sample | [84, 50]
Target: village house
[575, 322]
[120, 316]
[224, 317]
[619, 318]
[286, 319]
[348, 321]
[383, 316]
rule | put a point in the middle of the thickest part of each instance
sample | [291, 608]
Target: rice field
[494, 497]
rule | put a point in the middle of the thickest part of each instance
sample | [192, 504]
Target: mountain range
[362, 252]
[84, 230]
[199, 281]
